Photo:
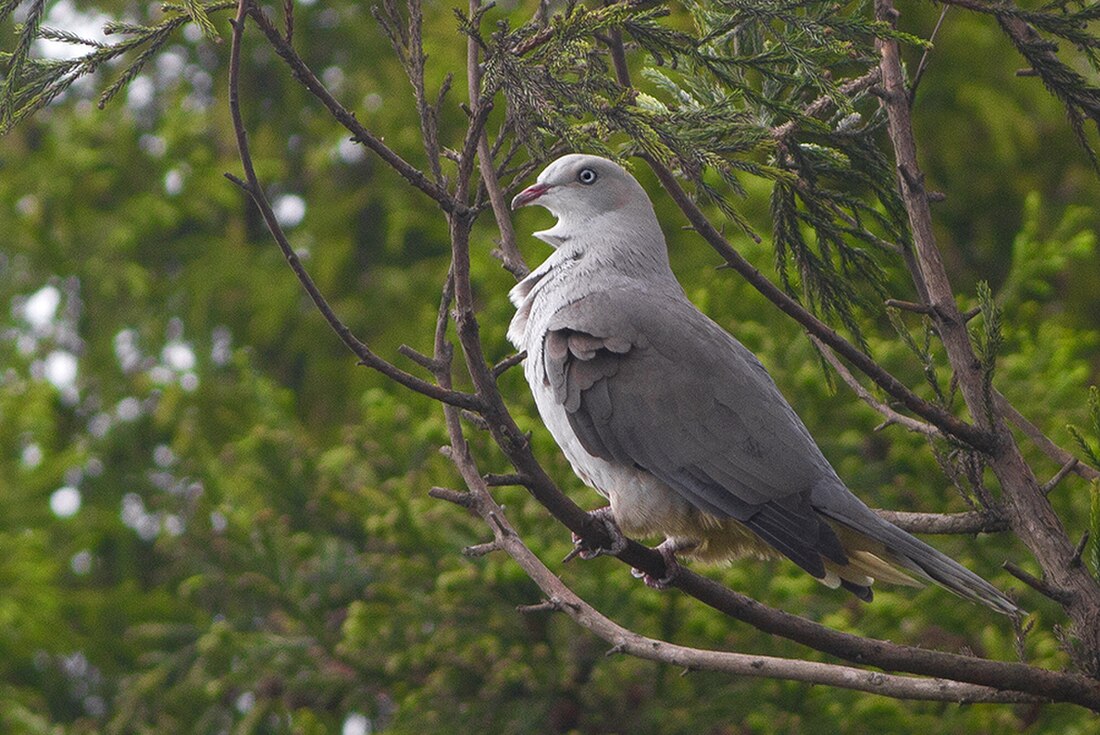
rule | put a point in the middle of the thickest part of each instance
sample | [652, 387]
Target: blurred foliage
[215, 522]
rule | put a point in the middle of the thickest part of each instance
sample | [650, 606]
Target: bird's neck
[626, 241]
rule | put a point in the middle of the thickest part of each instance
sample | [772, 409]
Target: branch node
[239, 182]
[617, 648]
[481, 549]
[475, 419]
[544, 606]
[428, 363]
[1039, 585]
[935, 197]
[451, 496]
[909, 306]
[1052, 483]
[509, 362]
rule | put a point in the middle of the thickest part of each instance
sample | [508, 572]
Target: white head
[577, 188]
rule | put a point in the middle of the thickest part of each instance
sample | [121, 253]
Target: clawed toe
[667, 549]
[618, 540]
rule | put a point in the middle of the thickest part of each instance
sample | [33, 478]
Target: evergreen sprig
[988, 340]
[1059, 22]
[30, 84]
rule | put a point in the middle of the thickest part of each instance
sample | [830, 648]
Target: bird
[675, 422]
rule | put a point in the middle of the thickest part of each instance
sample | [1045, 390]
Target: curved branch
[253, 188]
[1041, 440]
[309, 80]
[622, 640]
[892, 416]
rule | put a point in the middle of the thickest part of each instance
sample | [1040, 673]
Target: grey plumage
[670, 417]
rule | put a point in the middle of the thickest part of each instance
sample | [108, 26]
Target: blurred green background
[213, 521]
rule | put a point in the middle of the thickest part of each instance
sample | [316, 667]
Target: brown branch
[971, 521]
[429, 127]
[1031, 516]
[561, 598]
[253, 188]
[1041, 440]
[309, 80]
[923, 65]
[507, 252]
[892, 416]
[1060, 475]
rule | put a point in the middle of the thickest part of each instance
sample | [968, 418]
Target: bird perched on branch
[673, 420]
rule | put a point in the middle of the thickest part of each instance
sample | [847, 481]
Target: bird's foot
[581, 547]
[667, 549]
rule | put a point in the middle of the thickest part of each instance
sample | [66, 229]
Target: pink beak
[530, 194]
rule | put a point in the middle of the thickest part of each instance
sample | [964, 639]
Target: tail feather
[910, 553]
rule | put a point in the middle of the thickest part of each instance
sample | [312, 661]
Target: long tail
[906, 551]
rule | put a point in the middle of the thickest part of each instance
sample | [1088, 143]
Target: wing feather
[654, 383]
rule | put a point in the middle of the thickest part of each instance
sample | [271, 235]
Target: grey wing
[655, 384]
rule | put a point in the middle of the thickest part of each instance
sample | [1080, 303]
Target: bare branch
[1041, 440]
[1027, 508]
[309, 80]
[507, 252]
[923, 65]
[972, 521]
[1039, 585]
[909, 306]
[509, 362]
[561, 598]
[891, 415]
[1059, 475]
[256, 192]
[451, 496]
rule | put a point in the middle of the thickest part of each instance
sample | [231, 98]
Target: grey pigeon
[673, 420]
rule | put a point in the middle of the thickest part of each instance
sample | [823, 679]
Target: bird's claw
[618, 541]
[667, 549]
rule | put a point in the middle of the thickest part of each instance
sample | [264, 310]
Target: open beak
[530, 194]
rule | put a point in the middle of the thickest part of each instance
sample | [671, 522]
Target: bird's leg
[618, 541]
[667, 549]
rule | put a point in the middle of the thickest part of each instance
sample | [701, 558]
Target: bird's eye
[586, 176]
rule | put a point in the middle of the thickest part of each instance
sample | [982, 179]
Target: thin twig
[1039, 585]
[909, 306]
[1059, 475]
[451, 496]
[891, 415]
[429, 126]
[923, 65]
[253, 188]
[507, 251]
[509, 362]
[361, 134]
[1041, 440]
